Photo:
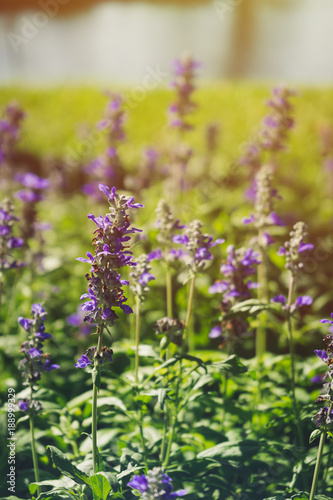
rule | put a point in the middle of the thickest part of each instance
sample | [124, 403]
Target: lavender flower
[31, 195]
[235, 287]
[113, 232]
[10, 131]
[273, 135]
[108, 168]
[140, 277]
[278, 124]
[155, 485]
[184, 87]
[168, 227]
[197, 246]
[8, 241]
[265, 196]
[323, 418]
[35, 361]
[295, 250]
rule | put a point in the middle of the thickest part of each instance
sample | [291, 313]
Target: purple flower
[23, 404]
[83, 362]
[303, 300]
[303, 247]
[34, 361]
[281, 299]
[105, 283]
[34, 352]
[276, 220]
[155, 484]
[321, 354]
[48, 366]
[139, 483]
[215, 332]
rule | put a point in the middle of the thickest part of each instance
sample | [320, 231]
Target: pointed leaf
[66, 467]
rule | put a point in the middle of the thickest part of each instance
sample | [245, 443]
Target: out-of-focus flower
[155, 485]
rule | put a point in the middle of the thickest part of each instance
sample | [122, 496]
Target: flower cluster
[295, 250]
[155, 485]
[9, 131]
[167, 226]
[105, 356]
[35, 361]
[273, 135]
[324, 417]
[108, 167]
[236, 286]
[8, 242]
[184, 87]
[34, 186]
[111, 237]
[171, 329]
[197, 246]
[279, 122]
[265, 196]
[140, 277]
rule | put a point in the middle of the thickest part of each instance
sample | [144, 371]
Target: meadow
[190, 369]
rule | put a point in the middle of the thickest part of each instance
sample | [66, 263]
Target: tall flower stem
[169, 291]
[33, 447]
[189, 334]
[174, 417]
[318, 461]
[292, 360]
[137, 339]
[96, 383]
[263, 295]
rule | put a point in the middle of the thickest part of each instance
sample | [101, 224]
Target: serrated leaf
[66, 467]
[314, 434]
[250, 307]
[100, 485]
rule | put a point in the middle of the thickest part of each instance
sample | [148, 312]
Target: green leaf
[251, 307]
[100, 485]
[314, 434]
[66, 467]
[233, 450]
[129, 471]
[300, 496]
[231, 364]
[56, 493]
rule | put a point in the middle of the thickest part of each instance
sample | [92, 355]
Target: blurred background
[52, 42]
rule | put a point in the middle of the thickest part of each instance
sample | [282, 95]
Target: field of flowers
[165, 284]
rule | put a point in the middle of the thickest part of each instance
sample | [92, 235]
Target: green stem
[293, 373]
[137, 339]
[189, 334]
[96, 381]
[318, 461]
[33, 448]
[262, 295]
[174, 417]
[169, 291]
